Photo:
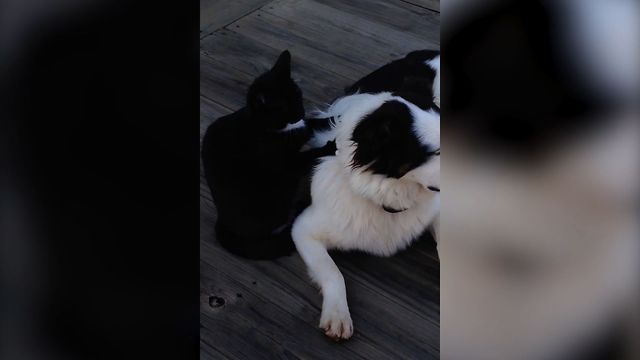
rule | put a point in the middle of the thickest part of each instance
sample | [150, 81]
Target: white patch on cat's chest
[290, 127]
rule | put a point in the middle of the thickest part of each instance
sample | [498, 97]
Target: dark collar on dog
[391, 210]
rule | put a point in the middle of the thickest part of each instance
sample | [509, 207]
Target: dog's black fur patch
[418, 91]
[391, 77]
[409, 78]
[254, 171]
[387, 143]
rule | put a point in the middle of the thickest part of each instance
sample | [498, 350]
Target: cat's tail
[276, 245]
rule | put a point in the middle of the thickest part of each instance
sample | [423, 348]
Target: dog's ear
[378, 131]
[282, 68]
[417, 90]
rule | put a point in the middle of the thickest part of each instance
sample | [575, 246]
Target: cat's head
[275, 98]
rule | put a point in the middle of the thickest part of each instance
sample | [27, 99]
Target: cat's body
[255, 170]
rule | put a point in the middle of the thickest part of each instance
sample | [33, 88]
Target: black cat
[254, 167]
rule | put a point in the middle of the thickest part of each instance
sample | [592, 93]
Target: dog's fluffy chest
[345, 220]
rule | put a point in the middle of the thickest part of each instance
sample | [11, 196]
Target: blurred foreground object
[98, 157]
[539, 231]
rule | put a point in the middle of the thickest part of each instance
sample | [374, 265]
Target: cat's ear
[283, 65]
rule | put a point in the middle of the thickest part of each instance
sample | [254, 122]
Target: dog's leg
[335, 319]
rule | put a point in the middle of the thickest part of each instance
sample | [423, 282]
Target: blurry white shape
[537, 259]
[600, 41]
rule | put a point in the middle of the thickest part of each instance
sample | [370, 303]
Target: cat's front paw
[336, 321]
[330, 147]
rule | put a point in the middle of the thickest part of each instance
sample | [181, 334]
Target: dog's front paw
[336, 321]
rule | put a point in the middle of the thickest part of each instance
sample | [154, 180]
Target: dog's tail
[276, 245]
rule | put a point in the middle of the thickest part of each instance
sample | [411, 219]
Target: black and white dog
[381, 190]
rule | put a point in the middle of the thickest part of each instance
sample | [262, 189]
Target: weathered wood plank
[223, 84]
[215, 14]
[374, 304]
[281, 33]
[412, 283]
[398, 334]
[275, 306]
[353, 30]
[347, 44]
[246, 342]
[209, 112]
[249, 56]
[379, 293]
[414, 20]
[208, 352]
[344, 50]
[433, 5]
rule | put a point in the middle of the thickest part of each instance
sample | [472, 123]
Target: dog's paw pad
[336, 323]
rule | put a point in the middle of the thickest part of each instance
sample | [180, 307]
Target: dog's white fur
[435, 65]
[347, 214]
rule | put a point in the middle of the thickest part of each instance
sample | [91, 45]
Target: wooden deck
[269, 309]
